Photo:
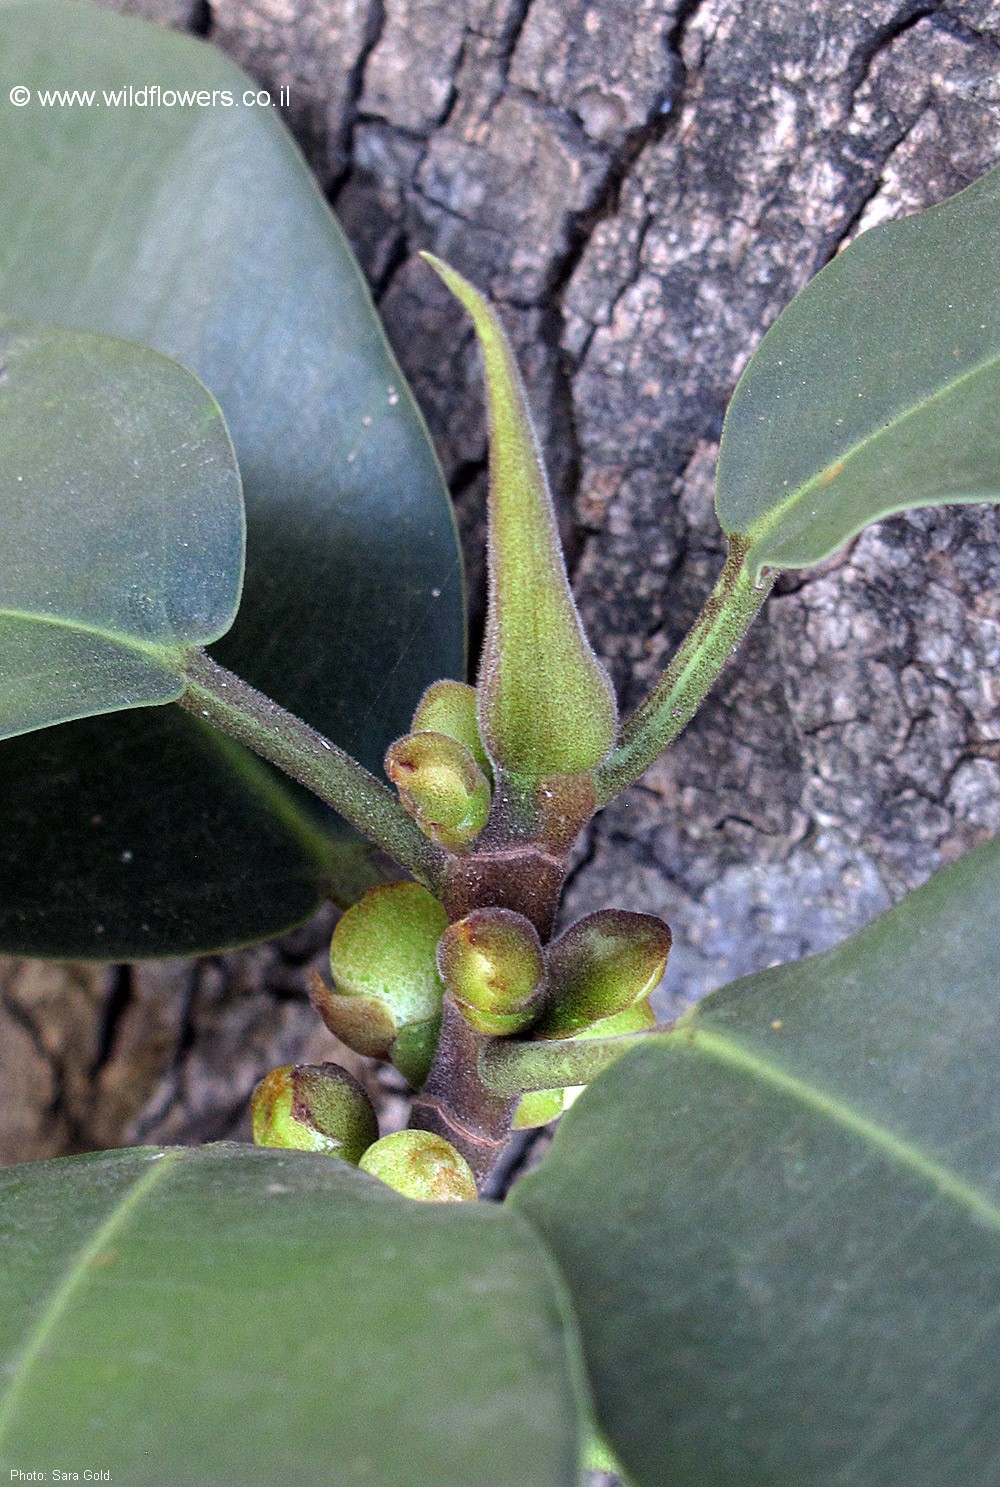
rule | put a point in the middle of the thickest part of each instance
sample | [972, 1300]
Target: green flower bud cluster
[323, 1108]
[441, 770]
[394, 957]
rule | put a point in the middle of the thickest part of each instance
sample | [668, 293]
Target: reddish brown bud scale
[360, 1022]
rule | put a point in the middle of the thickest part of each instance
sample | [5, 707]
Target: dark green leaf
[780, 1225]
[122, 525]
[230, 1315]
[198, 230]
[875, 391]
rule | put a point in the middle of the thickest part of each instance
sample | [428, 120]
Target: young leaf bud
[383, 959]
[422, 1166]
[314, 1107]
[546, 704]
[442, 787]
[450, 707]
[599, 967]
[492, 965]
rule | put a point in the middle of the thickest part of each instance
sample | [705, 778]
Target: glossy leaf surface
[780, 1225]
[875, 391]
[122, 525]
[198, 230]
[225, 1314]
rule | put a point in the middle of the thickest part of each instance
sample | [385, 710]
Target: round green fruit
[314, 1107]
[421, 1165]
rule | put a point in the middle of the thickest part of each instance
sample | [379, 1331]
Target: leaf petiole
[728, 613]
[232, 705]
[509, 1066]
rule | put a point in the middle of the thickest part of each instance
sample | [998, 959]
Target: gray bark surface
[641, 187]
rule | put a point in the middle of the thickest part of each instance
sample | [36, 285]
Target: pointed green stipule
[314, 1107]
[546, 704]
[441, 786]
[450, 707]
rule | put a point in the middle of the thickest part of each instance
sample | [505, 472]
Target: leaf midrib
[764, 526]
[736, 1055]
[73, 1278]
[160, 652]
[314, 841]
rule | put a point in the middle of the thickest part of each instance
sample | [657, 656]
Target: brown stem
[454, 1102]
[519, 863]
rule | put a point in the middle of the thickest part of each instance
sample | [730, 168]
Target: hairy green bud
[492, 965]
[421, 1165]
[450, 707]
[546, 704]
[314, 1107]
[602, 965]
[388, 992]
[442, 787]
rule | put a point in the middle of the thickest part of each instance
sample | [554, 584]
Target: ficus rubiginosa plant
[458, 981]
[763, 1245]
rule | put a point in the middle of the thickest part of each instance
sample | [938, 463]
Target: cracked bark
[642, 185]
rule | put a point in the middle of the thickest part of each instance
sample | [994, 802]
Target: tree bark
[641, 185]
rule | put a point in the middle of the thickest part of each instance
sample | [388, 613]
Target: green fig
[314, 1107]
[442, 787]
[602, 965]
[421, 1165]
[491, 962]
[450, 707]
[388, 992]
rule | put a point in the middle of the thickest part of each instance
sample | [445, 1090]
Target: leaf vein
[949, 1184]
[765, 524]
[71, 1281]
